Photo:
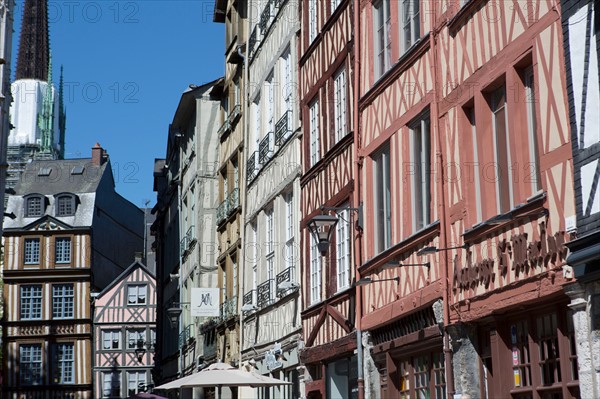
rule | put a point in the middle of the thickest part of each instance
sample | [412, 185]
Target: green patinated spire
[46, 116]
[62, 117]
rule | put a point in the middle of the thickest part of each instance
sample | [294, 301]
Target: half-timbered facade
[581, 38]
[270, 274]
[124, 322]
[63, 243]
[328, 299]
[468, 185]
[230, 173]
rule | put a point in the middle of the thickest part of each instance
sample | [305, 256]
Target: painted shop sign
[517, 253]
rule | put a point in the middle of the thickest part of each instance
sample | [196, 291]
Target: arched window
[34, 205]
[65, 205]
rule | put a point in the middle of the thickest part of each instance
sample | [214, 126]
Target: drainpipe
[356, 196]
[443, 222]
[180, 217]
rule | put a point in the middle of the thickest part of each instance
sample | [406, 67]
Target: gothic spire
[62, 116]
[34, 47]
[46, 116]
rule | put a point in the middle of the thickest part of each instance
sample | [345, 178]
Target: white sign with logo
[205, 302]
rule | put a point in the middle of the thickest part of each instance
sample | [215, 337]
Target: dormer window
[34, 205]
[65, 205]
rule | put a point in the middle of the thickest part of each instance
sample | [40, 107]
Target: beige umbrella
[223, 375]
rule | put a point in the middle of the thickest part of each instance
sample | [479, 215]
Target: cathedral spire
[34, 47]
[46, 116]
[62, 116]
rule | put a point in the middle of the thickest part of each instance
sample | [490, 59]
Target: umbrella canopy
[223, 374]
[143, 395]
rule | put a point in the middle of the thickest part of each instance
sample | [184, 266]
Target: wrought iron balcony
[225, 127]
[183, 245]
[253, 40]
[249, 297]
[285, 275]
[252, 166]
[265, 18]
[190, 235]
[229, 309]
[186, 335]
[265, 294]
[234, 115]
[234, 201]
[283, 129]
[265, 148]
[222, 211]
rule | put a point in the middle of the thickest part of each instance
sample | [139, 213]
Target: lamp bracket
[337, 209]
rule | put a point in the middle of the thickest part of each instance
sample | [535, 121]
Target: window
[470, 113]
[533, 171]
[312, 20]
[342, 237]
[383, 37]
[315, 272]
[315, 141]
[111, 384]
[31, 302]
[30, 364]
[270, 253]
[382, 200]
[269, 90]
[133, 336]
[502, 154]
[340, 101]
[62, 301]
[289, 230]
[288, 86]
[62, 250]
[422, 376]
[65, 205]
[136, 382]
[63, 363]
[422, 170]
[136, 294]
[111, 339]
[410, 24]
[32, 251]
[34, 206]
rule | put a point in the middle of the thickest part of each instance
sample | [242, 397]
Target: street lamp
[322, 227]
[141, 348]
[432, 250]
[369, 280]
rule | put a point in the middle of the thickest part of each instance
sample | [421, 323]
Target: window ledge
[462, 15]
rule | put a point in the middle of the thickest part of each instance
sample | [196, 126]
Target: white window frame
[133, 335]
[270, 110]
[340, 98]
[315, 139]
[64, 363]
[109, 338]
[534, 158]
[62, 250]
[312, 20]
[288, 85]
[471, 118]
[32, 251]
[343, 244]
[382, 188]
[410, 24]
[139, 292]
[270, 249]
[63, 301]
[30, 364]
[507, 179]
[382, 37]
[315, 272]
[135, 378]
[289, 231]
[420, 138]
[31, 302]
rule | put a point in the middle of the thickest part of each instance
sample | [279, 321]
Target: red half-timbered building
[467, 182]
[325, 92]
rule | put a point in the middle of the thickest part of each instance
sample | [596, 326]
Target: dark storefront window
[342, 379]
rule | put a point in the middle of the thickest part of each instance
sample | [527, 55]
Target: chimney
[137, 256]
[97, 153]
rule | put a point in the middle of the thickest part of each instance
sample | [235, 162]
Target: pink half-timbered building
[125, 334]
[468, 188]
[325, 92]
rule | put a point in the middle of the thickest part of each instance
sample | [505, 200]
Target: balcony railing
[283, 129]
[265, 18]
[222, 211]
[190, 235]
[285, 275]
[265, 149]
[186, 335]
[252, 166]
[249, 297]
[183, 245]
[234, 201]
[265, 294]
[229, 309]
[253, 40]
[235, 113]
[225, 127]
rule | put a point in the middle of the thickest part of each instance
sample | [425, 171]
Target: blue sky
[126, 64]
